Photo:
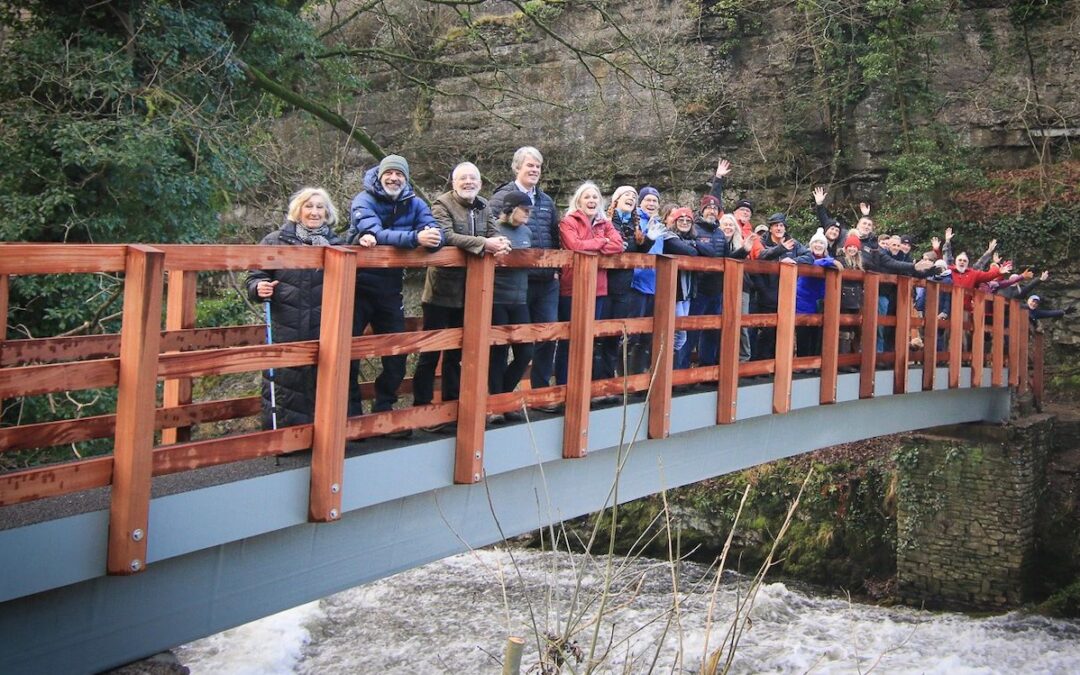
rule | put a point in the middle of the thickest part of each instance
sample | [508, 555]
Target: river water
[453, 616]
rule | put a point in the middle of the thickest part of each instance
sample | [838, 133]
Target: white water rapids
[453, 616]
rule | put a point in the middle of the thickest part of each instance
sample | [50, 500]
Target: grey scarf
[317, 237]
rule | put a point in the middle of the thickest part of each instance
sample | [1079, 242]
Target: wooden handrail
[144, 353]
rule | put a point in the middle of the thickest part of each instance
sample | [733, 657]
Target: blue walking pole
[273, 393]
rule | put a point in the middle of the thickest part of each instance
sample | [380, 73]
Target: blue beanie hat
[647, 190]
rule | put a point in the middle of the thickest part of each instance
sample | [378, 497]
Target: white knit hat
[820, 236]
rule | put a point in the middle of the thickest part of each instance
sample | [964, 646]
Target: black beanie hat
[515, 199]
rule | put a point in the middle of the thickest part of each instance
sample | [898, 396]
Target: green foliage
[1063, 604]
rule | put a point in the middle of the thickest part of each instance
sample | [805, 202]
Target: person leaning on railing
[777, 245]
[295, 297]
[681, 239]
[626, 218]
[387, 213]
[462, 215]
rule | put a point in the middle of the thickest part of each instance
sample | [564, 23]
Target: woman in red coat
[584, 228]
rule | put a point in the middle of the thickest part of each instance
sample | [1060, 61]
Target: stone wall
[966, 514]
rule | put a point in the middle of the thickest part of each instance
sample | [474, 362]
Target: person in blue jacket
[810, 293]
[387, 213]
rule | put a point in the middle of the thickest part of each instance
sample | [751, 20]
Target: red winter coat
[578, 234]
[971, 278]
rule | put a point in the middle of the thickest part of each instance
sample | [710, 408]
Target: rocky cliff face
[746, 79]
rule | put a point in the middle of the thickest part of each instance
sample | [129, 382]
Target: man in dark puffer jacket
[387, 213]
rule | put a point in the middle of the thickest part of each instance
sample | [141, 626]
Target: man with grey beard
[387, 213]
[462, 215]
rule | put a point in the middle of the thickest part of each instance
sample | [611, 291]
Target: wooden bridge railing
[143, 354]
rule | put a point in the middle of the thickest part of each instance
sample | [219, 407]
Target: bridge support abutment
[967, 501]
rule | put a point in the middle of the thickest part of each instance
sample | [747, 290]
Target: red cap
[853, 240]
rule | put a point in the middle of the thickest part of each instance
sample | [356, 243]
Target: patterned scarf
[317, 237]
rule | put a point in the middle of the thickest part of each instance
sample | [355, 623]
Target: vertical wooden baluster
[1022, 354]
[730, 337]
[1016, 324]
[902, 342]
[956, 335]
[663, 340]
[997, 345]
[179, 314]
[4, 291]
[140, 339]
[475, 363]
[930, 331]
[332, 385]
[830, 337]
[1037, 381]
[785, 338]
[579, 368]
[868, 339]
[978, 339]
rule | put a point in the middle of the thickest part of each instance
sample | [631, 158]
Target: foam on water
[455, 615]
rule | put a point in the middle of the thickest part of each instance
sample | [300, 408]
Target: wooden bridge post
[730, 341]
[179, 314]
[579, 369]
[1038, 355]
[868, 339]
[930, 331]
[4, 295]
[902, 341]
[332, 385]
[663, 346]
[956, 335]
[140, 338]
[978, 339]
[830, 336]
[1022, 355]
[475, 365]
[1014, 342]
[785, 338]
[997, 345]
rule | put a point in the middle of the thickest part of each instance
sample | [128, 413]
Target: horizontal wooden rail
[52, 364]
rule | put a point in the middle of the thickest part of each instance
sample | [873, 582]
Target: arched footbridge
[181, 530]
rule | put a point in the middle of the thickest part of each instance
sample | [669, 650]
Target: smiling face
[832, 233]
[650, 204]
[962, 262]
[742, 214]
[589, 203]
[467, 182]
[851, 251]
[683, 224]
[727, 226]
[710, 212]
[528, 174]
[393, 182]
[313, 212]
[894, 245]
[864, 227]
[817, 247]
[1033, 303]
[777, 230]
[626, 202]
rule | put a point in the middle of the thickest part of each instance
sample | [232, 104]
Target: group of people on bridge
[520, 215]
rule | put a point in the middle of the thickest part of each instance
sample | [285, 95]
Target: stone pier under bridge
[967, 503]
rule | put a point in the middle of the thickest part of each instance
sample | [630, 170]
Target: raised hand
[996, 257]
[948, 234]
[864, 208]
[1045, 275]
[992, 245]
[819, 195]
[935, 243]
[723, 168]
[1007, 268]
[1027, 275]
